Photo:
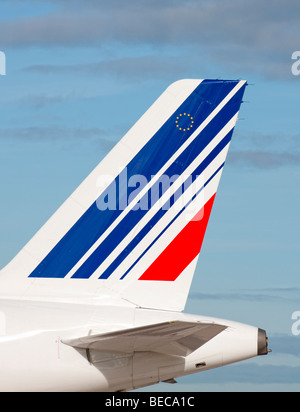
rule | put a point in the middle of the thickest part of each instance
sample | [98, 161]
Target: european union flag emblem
[184, 122]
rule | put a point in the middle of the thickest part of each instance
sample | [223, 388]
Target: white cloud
[253, 36]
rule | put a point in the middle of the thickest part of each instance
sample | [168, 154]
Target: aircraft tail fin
[134, 228]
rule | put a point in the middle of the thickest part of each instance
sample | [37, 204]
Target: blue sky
[79, 74]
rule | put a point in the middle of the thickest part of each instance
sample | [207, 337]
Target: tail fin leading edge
[134, 228]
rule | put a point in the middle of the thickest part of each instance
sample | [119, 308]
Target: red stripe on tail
[182, 250]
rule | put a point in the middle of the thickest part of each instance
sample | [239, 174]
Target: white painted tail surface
[134, 228]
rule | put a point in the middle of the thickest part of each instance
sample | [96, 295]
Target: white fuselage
[33, 358]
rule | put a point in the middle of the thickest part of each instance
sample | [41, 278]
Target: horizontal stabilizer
[172, 338]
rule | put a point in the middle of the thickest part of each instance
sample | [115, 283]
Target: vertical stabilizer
[134, 228]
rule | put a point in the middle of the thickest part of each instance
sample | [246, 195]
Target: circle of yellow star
[178, 122]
